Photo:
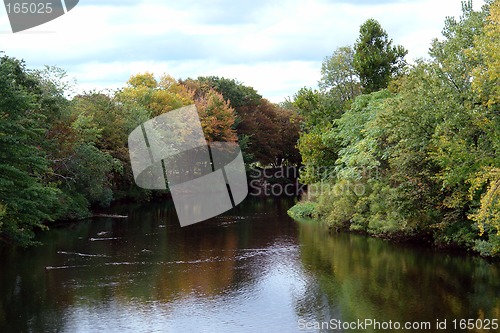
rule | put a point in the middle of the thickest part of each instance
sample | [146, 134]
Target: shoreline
[423, 240]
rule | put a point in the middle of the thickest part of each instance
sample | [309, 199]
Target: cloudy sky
[274, 46]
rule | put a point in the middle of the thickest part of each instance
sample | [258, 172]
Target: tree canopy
[387, 148]
[417, 154]
[376, 60]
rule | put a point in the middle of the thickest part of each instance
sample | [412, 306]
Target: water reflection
[369, 278]
[250, 270]
[240, 270]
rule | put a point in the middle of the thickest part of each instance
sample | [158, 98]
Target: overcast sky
[274, 46]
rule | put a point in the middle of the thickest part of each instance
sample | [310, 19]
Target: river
[252, 269]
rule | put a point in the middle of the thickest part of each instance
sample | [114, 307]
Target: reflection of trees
[207, 259]
[204, 266]
[28, 290]
[370, 278]
[151, 259]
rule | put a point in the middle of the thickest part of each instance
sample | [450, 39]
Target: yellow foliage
[488, 213]
[487, 75]
[146, 79]
[156, 96]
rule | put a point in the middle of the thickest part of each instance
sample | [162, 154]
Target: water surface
[251, 270]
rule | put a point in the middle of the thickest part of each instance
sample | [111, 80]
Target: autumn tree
[156, 96]
[453, 53]
[257, 121]
[485, 183]
[486, 74]
[289, 123]
[217, 117]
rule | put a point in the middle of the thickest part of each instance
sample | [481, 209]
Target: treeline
[390, 149]
[62, 157]
[398, 150]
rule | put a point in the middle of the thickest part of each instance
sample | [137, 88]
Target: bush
[305, 209]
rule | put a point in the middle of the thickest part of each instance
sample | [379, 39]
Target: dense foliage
[418, 153]
[61, 157]
[387, 148]
[267, 133]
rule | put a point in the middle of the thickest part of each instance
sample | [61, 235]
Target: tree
[339, 78]
[316, 108]
[156, 97]
[485, 183]
[319, 151]
[425, 153]
[258, 123]
[487, 216]
[466, 144]
[288, 122]
[217, 117]
[233, 91]
[102, 126]
[26, 199]
[92, 170]
[339, 85]
[376, 61]
[452, 55]
[486, 74]
[240, 97]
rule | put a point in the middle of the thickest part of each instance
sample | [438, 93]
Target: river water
[251, 270]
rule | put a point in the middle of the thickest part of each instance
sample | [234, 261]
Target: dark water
[251, 270]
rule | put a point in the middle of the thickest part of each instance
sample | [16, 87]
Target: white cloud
[275, 46]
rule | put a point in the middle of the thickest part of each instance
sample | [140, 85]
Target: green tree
[319, 150]
[316, 108]
[376, 60]
[339, 78]
[288, 122]
[26, 199]
[339, 85]
[92, 171]
[102, 126]
[242, 99]
[487, 216]
[452, 54]
[422, 157]
[485, 184]
[233, 91]
[466, 141]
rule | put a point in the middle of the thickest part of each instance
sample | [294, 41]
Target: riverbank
[429, 238]
[146, 273]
